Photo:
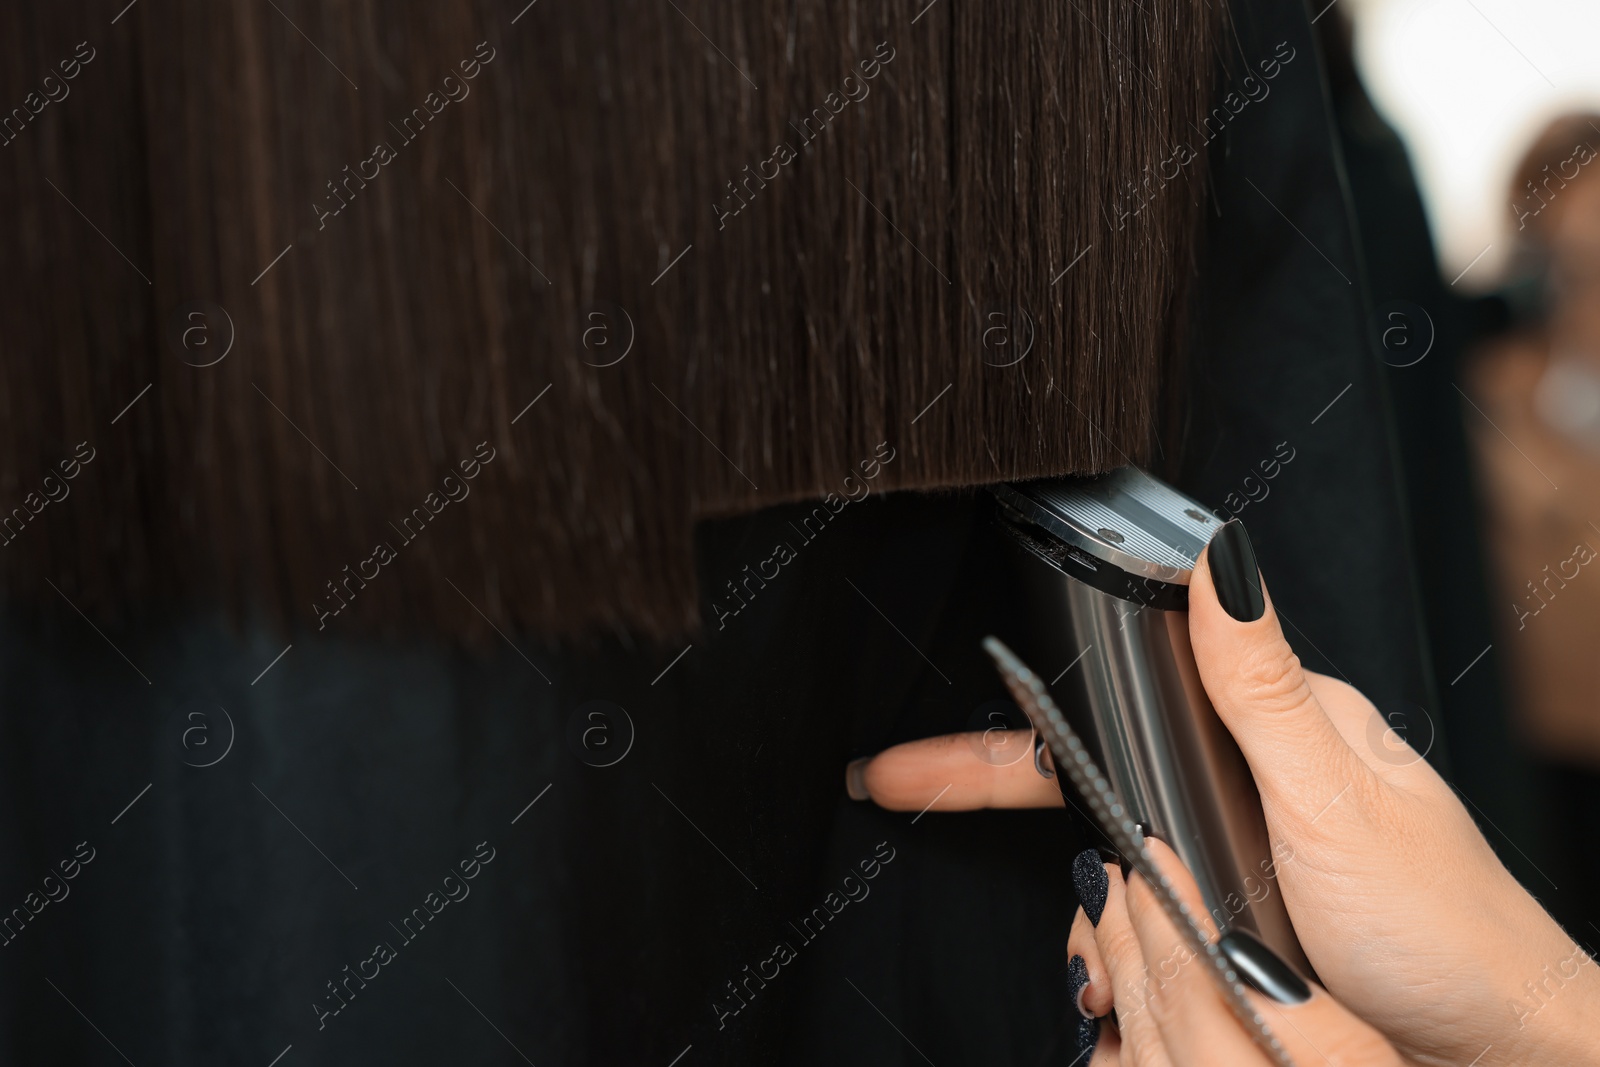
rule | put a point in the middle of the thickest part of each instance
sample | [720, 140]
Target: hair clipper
[1104, 565]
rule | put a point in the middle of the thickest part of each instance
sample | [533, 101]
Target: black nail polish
[1089, 875]
[1262, 969]
[1088, 1037]
[1234, 572]
[1077, 981]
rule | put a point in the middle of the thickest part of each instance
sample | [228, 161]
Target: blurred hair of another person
[1538, 449]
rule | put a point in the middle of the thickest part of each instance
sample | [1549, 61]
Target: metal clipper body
[1104, 563]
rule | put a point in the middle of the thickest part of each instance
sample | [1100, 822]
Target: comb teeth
[1073, 758]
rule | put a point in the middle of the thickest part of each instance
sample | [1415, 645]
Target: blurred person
[1537, 444]
[1532, 403]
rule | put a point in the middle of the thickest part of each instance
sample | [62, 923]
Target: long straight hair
[307, 294]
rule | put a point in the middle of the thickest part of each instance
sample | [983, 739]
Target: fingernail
[1089, 875]
[1041, 753]
[1122, 861]
[1088, 1036]
[1263, 969]
[1235, 574]
[1077, 982]
[855, 778]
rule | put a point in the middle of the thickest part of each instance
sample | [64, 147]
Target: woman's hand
[1402, 908]
[1169, 1012]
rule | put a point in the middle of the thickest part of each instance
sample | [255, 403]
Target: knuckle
[1119, 947]
[1270, 674]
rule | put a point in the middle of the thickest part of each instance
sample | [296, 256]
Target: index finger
[1196, 1023]
[1198, 1026]
[958, 772]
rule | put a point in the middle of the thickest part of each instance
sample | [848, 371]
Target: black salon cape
[360, 878]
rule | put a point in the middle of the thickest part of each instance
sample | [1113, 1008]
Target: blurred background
[1471, 134]
[1467, 84]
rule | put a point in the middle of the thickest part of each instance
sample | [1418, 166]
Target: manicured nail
[1234, 573]
[1088, 1036]
[1263, 969]
[1122, 861]
[1077, 982]
[1089, 875]
[855, 778]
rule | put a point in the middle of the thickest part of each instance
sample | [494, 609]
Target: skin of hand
[1169, 1012]
[1403, 909]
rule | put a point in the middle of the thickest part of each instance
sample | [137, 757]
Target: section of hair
[813, 228]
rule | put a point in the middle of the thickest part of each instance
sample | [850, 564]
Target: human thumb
[1296, 754]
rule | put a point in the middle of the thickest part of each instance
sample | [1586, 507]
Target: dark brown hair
[413, 220]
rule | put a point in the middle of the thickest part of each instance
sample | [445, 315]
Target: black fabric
[1286, 369]
[1422, 332]
[618, 908]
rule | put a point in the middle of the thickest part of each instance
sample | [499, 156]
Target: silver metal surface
[1074, 760]
[1134, 691]
[1125, 518]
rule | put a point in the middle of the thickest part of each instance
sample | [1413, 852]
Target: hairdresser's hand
[1403, 909]
[1169, 1011]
